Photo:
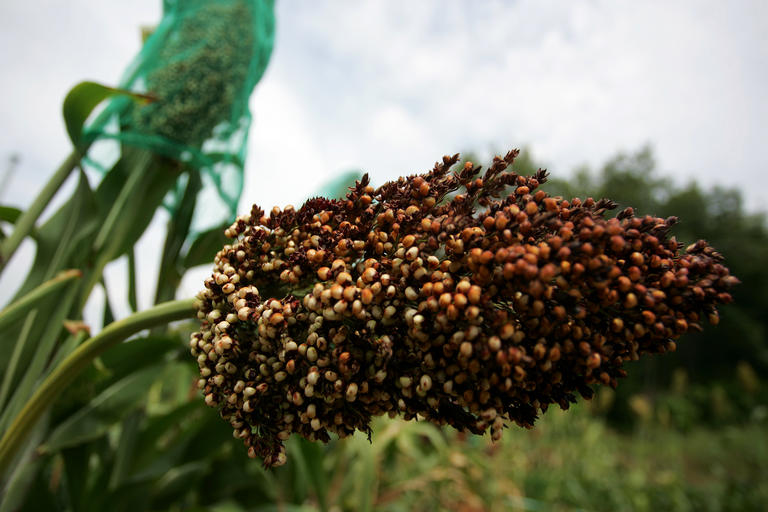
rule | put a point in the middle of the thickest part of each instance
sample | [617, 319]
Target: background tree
[738, 347]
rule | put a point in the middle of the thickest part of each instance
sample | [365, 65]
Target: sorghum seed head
[471, 311]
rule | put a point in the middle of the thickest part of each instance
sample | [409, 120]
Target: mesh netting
[201, 64]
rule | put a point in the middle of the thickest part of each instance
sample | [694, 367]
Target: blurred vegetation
[133, 435]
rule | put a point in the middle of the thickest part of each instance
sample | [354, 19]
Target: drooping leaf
[83, 98]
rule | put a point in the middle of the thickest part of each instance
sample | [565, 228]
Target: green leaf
[57, 249]
[75, 461]
[126, 358]
[28, 491]
[162, 426]
[160, 178]
[95, 496]
[294, 477]
[170, 274]
[284, 507]
[126, 448]
[21, 307]
[163, 445]
[9, 214]
[308, 457]
[83, 98]
[366, 480]
[116, 363]
[25, 223]
[178, 480]
[57, 239]
[338, 186]
[13, 364]
[205, 247]
[17, 482]
[131, 194]
[56, 309]
[93, 420]
[132, 295]
[227, 507]
[18, 485]
[109, 315]
[79, 333]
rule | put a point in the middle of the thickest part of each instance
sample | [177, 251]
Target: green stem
[26, 222]
[77, 361]
[133, 301]
[28, 302]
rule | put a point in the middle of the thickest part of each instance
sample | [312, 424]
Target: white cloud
[285, 162]
[577, 81]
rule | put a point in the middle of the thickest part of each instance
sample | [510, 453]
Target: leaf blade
[82, 99]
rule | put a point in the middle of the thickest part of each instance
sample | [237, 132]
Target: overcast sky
[390, 86]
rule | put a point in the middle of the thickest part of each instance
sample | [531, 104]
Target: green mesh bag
[201, 64]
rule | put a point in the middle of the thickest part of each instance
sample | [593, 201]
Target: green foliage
[9, 214]
[338, 186]
[85, 452]
[205, 247]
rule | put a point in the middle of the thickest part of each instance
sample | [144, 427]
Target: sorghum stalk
[66, 372]
[467, 300]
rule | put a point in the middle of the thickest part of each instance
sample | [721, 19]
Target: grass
[572, 461]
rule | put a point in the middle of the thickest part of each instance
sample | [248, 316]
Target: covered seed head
[472, 300]
[204, 66]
